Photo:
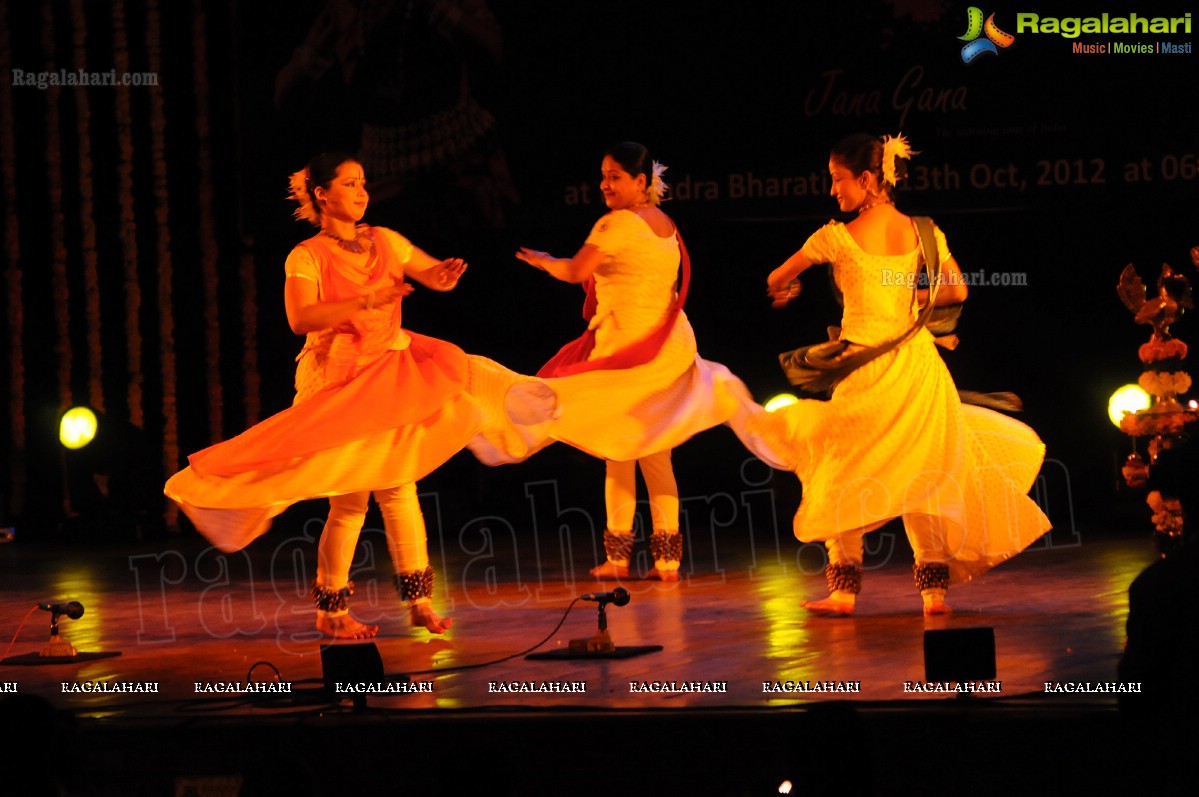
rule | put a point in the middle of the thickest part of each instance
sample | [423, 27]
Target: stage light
[780, 401]
[785, 787]
[77, 428]
[104, 467]
[1130, 398]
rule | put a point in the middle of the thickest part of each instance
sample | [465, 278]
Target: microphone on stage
[74, 609]
[620, 596]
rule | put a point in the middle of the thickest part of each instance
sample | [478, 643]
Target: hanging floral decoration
[87, 217]
[208, 236]
[248, 280]
[1156, 351]
[1162, 377]
[15, 308]
[60, 288]
[128, 222]
[162, 215]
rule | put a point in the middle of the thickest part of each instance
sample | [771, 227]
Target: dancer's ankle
[932, 579]
[934, 601]
[618, 547]
[667, 549]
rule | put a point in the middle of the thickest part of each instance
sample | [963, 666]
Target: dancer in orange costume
[377, 407]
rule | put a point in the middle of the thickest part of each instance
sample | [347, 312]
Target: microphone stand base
[616, 652]
[58, 648]
[600, 643]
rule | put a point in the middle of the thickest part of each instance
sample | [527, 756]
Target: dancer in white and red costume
[632, 387]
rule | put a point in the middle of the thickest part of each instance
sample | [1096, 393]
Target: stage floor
[188, 622]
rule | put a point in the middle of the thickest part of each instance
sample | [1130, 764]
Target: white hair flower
[894, 147]
[657, 188]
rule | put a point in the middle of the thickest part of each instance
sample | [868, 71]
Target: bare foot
[936, 606]
[343, 626]
[423, 616]
[663, 575]
[832, 606]
[610, 570]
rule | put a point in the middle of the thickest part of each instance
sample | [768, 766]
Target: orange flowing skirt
[396, 421]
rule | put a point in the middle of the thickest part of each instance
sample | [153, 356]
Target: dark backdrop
[1037, 161]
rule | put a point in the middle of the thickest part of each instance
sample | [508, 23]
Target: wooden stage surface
[188, 620]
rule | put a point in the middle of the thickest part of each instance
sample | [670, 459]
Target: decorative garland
[1157, 350]
[1167, 514]
[13, 279]
[87, 218]
[1135, 470]
[208, 243]
[248, 278]
[60, 289]
[1165, 420]
[166, 326]
[1149, 424]
[128, 224]
[1164, 384]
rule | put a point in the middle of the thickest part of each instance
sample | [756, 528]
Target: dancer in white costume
[895, 439]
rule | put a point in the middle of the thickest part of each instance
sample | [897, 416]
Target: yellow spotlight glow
[1130, 398]
[77, 428]
[780, 401]
[785, 787]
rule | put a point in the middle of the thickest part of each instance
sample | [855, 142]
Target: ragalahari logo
[975, 27]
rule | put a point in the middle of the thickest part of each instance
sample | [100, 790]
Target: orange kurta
[376, 407]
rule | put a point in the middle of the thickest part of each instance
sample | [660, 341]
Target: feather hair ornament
[894, 147]
[298, 185]
[657, 188]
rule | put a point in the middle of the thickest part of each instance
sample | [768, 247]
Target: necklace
[863, 208]
[354, 244]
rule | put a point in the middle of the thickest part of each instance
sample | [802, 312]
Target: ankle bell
[618, 547]
[333, 601]
[415, 584]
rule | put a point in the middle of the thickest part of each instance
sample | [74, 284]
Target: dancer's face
[345, 199]
[620, 190]
[847, 188]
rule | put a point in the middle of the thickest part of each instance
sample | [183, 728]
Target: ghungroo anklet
[931, 576]
[665, 546]
[618, 547]
[415, 584]
[843, 577]
[332, 600]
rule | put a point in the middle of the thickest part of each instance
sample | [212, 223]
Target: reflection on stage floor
[737, 651]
